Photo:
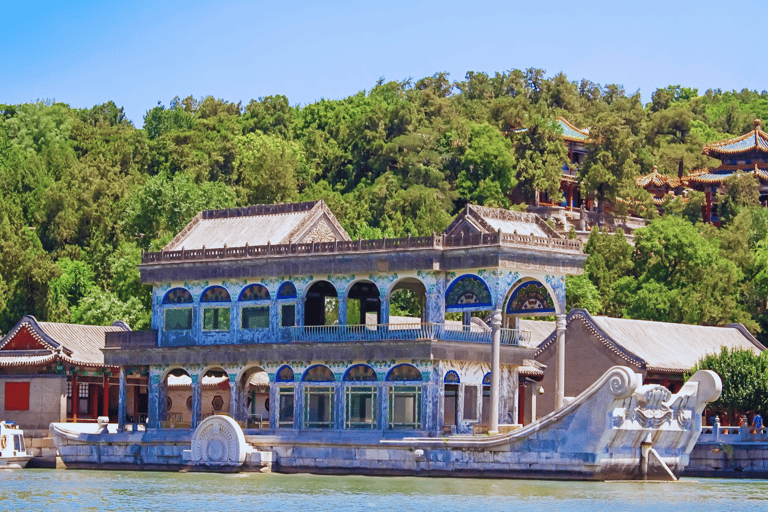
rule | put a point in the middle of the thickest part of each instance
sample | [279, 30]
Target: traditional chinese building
[747, 153]
[290, 322]
[660, 186]
[56, 372]
[576, 139]
[661, 352]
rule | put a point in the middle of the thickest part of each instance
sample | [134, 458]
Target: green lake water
[52, 490]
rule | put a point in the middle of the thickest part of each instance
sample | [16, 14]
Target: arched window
[318, 373]
[284, 374]
[404, 400]
[285, 397]
[451, 378]
[318, 400]
[360, 400]
[254, 317]
[254, 292]
[360, 372]
[216, 318]
[468, 293]
[178, 296]
[215, 294]
[404, 372]
[177, 318]
[530, 297]
[287, 292]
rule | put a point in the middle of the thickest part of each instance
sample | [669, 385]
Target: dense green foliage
[84, 191]
[745, 381]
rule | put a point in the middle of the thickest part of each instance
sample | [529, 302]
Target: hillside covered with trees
[84, 191]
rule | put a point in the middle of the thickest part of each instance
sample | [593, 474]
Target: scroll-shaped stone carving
[218, 441]
[621, 381]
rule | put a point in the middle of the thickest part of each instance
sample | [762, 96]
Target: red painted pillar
[75, 397]
[105, 396]
[521, 403]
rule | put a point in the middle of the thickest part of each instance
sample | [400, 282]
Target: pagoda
[747, 153]
[660, 186]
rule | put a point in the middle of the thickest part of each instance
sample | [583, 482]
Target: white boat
[13, 452]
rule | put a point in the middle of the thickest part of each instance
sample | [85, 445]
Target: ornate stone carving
[218, 442]
[320, 232]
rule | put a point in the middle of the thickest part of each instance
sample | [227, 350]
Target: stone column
[493, 428]
[153, 421]
[234, 398]
[560, 383]
[162, 401]
[343, 310]
[197, 395]
[384, 308]
[121, 402]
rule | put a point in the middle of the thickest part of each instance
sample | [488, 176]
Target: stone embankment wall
[42, 447]
[730, 452]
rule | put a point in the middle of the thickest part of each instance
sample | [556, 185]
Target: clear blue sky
[140, 52]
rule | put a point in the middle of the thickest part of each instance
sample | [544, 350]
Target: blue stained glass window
[404, 373]
[319, 373]
[215, 294]
[284, 374]
[287, 291]
[467, 291]
[360, 372]
[254, 292]
[178, 296]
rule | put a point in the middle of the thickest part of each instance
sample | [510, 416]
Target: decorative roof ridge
[503, 214]
[37, 331]
[318, 209]
[258, 210]
[715, 148]
[184, 232]
[657, 179]
[583, 131]
[244, 211]
[745, 332]
[589, 322]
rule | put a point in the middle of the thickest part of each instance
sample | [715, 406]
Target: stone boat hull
[617, 429]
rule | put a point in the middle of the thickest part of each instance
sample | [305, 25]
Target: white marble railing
[384, 332]
[728, 435]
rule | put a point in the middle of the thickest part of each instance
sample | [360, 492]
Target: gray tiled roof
[255, 225]
[483, 219]
[662, 346]
[77, 344]
[540, 330]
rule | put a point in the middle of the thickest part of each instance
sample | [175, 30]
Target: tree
[609, 259]
[101, 307]
[745, 381]
[540, 154]
[611, 165]
[488, 156]
[680, 276]
[580, 292]
[742, 190]
[269, 169]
